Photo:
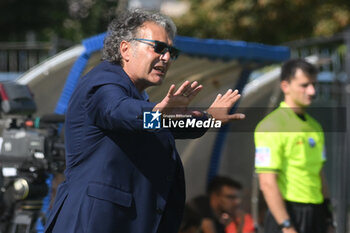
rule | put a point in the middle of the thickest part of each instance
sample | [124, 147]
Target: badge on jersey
[312, 142]
[262, 156]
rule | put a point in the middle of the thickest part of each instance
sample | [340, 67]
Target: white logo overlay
[155, 120]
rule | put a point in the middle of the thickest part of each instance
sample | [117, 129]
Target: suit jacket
[119, 177]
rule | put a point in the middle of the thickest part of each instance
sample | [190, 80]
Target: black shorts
[306, 218]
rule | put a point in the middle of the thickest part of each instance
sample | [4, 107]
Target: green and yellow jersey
[294, 149]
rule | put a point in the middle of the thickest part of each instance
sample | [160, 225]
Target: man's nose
[165, 56]
[311, 90]
[237, 201]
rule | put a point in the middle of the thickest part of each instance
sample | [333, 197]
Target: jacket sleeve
[110, 107]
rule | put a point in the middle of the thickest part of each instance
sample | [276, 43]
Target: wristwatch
[285, 224]
[207, 114]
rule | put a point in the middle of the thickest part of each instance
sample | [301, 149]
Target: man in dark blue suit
[121, 177]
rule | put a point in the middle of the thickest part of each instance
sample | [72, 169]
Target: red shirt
[248, 226]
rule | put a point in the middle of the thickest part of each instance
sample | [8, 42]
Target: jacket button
[159, 211]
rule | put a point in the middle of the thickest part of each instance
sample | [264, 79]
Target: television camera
[30, 150]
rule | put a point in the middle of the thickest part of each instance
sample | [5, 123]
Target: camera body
[30, 150]
[21, 144]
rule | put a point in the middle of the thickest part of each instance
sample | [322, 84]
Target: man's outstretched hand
[176, 102]
[221, 106]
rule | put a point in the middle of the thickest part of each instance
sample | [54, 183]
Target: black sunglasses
[161, 47]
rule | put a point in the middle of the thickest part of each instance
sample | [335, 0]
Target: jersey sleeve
[268, 152]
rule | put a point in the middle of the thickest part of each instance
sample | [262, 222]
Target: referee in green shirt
[290, 156]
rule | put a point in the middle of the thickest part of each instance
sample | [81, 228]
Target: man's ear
[124, 49]
[284, 86]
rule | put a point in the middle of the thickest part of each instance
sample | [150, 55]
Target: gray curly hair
[125, 27]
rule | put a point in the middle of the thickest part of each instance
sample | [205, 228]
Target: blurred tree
[69, 19]
[265, 21]
[89, 17]
[18, 18]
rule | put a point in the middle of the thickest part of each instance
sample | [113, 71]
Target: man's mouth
[160, 69]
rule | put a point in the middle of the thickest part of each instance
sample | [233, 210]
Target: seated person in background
[191, 222]
[239, 220]
[217, 208]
